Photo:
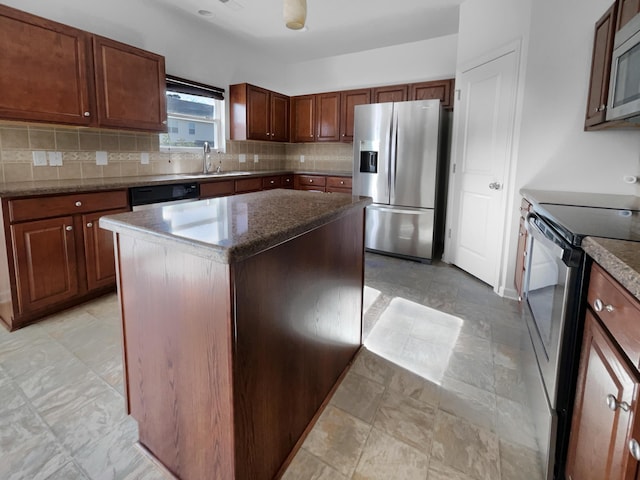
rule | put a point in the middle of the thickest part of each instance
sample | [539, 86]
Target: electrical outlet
[301, 158]
[256, 158]
[55, 159]
[39, 158]
[102, 158]
[144, 158]
[242, 158]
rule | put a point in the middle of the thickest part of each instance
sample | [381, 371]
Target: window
[195, 114]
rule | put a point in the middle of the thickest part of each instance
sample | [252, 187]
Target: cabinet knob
[311, 181]
[272, 182]
[68, 228]
[341, 182]
[90, 224]
[268, 134]
[164, 122]
[598, 306]
[288, 180]
[78, 204]
[87, 114]
[613, 404]
[634, 449]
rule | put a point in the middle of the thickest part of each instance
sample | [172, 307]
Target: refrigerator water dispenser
[369, 162]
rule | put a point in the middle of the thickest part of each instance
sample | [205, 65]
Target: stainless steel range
[554, 292]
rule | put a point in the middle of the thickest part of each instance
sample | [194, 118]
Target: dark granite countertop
[230, 229]
[50, 187]
[618, 257]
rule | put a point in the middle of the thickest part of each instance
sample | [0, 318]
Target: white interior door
[484, 123]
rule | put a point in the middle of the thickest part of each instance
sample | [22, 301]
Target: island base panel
[176, 328]
[298, 310]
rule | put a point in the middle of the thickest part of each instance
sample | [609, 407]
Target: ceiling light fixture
[295, 13]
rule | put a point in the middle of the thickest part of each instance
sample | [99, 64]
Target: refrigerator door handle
[393, 152]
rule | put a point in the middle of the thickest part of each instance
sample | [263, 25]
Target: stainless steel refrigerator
[396, 162]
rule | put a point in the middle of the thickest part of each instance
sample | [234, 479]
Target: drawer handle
[272, 182]
[341, 182]
[634, 449]
[68, 228]
[78, 204]
[310, 181]
[598, 306]
[613, 404]
[90, 224]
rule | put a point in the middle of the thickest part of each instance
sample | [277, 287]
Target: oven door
[552, 271]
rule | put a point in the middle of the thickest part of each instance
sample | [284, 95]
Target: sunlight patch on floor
[415, 337]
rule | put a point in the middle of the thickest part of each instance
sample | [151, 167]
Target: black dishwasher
[162, 195]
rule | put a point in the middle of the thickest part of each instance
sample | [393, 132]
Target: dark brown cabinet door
[44, 70]
[600, 69]
[604, 412]
[98, 251]
[328, 117]
[627, 9]
[303, 118]
[279, 117]
[45, 257]
[130, 86]
[258, 113]
[437, 90]
[392, 93]
[348, 101]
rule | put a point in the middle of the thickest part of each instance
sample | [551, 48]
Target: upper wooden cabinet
[328, 117]
[391, 93]
[45, 70]
[50, 72]
[303, 119]
[349, 99]
[439, 89]
[258, 114]
[600, 69]
[627, 9]
[130, 86]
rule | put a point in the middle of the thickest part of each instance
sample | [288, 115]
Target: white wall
[552, 151]
[406, 63]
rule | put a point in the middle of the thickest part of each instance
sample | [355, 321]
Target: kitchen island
[239, 316]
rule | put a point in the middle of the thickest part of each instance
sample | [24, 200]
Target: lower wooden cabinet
[55, 257]
[322, 183]
[605, 434]
[45, 259]
[98, 250]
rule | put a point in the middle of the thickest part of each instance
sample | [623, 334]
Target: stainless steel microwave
[624, 86]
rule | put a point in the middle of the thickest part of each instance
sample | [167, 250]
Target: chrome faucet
[206, 164]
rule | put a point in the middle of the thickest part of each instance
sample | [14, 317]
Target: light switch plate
[256, 158]
[55, 159]
[301, 158]
[242, 158]
[144, 158]
[39, 158]
[102, 158]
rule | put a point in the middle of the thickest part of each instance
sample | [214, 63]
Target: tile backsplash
[79, 146]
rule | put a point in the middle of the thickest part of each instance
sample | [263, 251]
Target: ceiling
[333, 27]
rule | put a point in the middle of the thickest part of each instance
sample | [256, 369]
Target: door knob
[495, 186]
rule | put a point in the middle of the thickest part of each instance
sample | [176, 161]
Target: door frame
[501, 273]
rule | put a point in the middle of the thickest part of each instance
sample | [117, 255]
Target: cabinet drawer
[339, 182]
[49, 207]
[248, 185]
[618, 310]
[217, 189]
[312, 180]
[287, 181]
[271, 182]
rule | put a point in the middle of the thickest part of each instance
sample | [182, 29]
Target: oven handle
[571, 256]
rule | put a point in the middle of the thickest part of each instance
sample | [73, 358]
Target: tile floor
[436, 394]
